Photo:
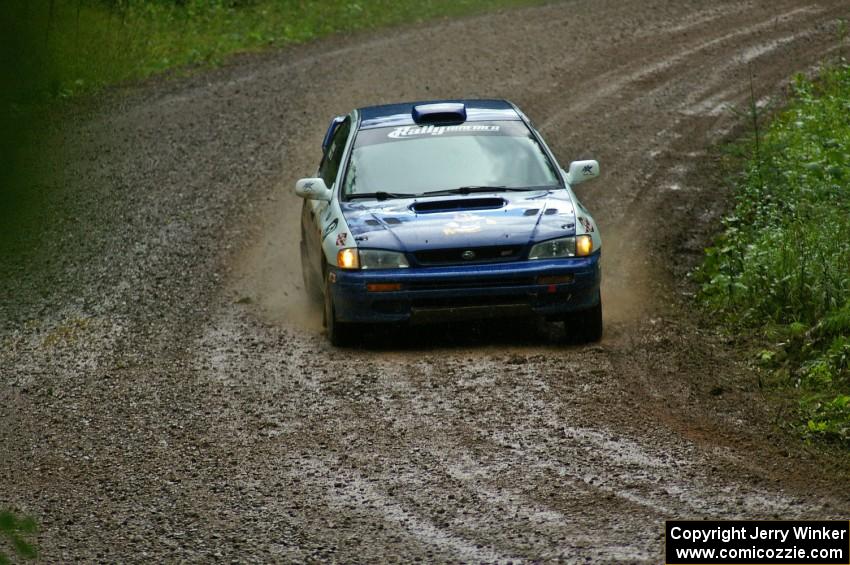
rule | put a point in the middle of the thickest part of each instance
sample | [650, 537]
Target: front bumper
[465, 292]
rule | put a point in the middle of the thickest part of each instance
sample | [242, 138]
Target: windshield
[412, 160]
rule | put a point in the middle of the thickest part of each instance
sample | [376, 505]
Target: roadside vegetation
[13, 531]
[92, 43]
[781, 268]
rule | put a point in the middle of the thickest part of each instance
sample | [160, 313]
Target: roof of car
[401, 114]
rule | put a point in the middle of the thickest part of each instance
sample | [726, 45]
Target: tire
[584, 326]
[339, 333]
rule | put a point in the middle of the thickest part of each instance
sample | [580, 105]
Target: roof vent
[439, 113]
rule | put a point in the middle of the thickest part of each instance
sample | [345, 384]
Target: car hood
[474, 220]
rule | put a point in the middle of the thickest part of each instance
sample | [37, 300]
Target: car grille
[472, 283]
[461, 255]
[468, 301]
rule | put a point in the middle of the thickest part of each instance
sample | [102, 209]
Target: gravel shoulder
[165, 390]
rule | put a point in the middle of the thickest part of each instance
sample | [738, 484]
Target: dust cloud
[268, 272]
[628, 277]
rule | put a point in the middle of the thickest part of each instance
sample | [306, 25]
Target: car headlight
[352, 258]
[347, 259]
[580, 246]
[380, 259]
[584, 245]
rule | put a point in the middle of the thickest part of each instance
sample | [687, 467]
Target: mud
[166, 392]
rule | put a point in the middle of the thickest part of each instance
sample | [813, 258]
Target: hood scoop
[458, 204]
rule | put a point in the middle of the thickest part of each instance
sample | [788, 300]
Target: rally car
[446, 211]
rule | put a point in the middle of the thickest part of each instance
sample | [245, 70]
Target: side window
[333, 156]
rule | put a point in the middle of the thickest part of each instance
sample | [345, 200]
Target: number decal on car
[330, 227]
[588, 227]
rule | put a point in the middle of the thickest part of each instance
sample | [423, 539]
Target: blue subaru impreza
[447, 210]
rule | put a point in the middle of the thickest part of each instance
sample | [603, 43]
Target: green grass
[92, 43]
[781, 268]
[13, 531]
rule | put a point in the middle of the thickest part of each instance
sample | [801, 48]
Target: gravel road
[165, 390]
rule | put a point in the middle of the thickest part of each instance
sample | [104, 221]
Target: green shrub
[782, 264]
[12, 530]
[827, 419]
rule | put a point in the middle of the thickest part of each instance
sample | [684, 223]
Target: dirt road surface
[166, 393]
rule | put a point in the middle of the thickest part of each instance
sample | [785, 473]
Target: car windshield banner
[402, 133]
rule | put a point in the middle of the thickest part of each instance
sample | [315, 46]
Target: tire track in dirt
[612, 81]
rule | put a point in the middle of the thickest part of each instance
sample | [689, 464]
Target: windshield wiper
[380, 195]
[474, 188]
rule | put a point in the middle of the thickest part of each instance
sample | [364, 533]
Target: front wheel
[584, 326]
[339, 333]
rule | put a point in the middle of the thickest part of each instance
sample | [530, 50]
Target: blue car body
[467, 254]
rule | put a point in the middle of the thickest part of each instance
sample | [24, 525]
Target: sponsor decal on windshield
[412, 131]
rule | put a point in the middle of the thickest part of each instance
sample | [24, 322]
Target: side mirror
[313, 189]
[581, 171]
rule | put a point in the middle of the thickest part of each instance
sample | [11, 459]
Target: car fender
[335, 233]
[585, 224]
